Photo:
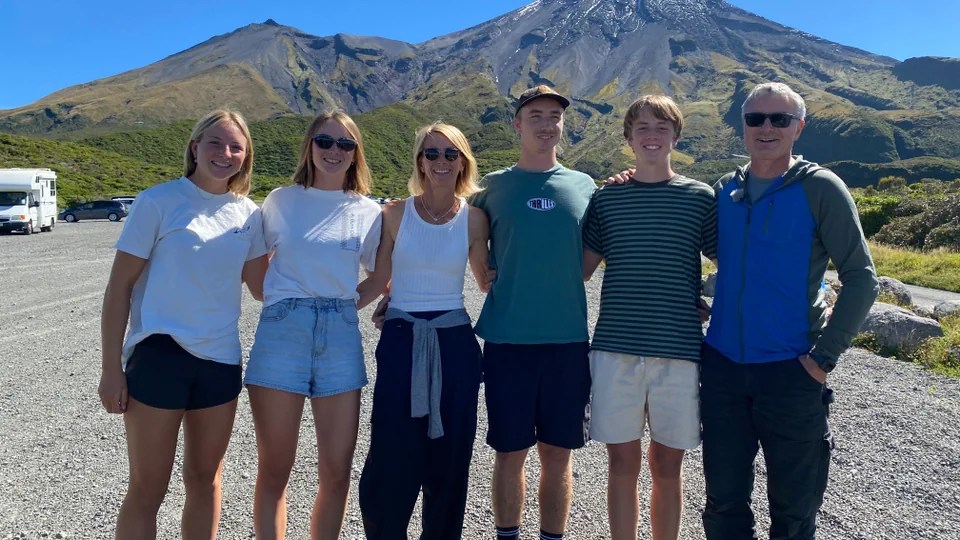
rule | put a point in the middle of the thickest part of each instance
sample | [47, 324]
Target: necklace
[436, 219]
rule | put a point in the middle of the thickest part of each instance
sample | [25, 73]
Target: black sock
[544, 535]
[508, 533]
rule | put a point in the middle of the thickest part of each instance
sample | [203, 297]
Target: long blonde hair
[358, 175]
[239, 183]
[466, 180]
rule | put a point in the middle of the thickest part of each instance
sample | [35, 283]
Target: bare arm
[479, 254]
[591, 260]
[253, 273]
[377, 281]
[113, 324]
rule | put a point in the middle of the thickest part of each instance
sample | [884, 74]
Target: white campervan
[28, 200]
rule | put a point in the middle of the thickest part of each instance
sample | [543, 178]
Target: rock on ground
[898, 328]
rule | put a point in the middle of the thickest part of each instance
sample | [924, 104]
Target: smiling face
[331, 165]
[651, 138]
[219, 153]
[539, 124]
[440, 172]
[766, 143]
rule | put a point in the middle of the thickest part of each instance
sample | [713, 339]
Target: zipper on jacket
[743, 283]
[766, 220]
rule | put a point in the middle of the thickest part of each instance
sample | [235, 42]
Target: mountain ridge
[707, 54]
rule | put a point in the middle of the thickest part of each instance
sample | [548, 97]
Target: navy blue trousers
[776, 406]
[402, 459]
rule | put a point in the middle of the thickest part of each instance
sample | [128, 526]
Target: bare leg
[509, 485]
[151, 446]
[556, 487]
[623, 472]
[206, 434]
[666, 502]
[337, 419]
[276, 419]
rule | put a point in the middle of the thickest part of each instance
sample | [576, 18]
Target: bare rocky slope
[706, 53]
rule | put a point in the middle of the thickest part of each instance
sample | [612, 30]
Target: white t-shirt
[318, 240]
[195, 244]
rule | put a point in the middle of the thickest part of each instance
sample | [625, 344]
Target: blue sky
[46, 45]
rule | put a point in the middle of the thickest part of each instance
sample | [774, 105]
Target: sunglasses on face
[433, 154]
[777, 120]
[326, 142]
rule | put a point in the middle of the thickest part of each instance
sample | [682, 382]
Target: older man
[770, 347]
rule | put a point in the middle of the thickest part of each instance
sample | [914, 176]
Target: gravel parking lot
[895, 475]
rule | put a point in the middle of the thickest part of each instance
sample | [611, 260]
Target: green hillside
[86, 173]
[99, 166]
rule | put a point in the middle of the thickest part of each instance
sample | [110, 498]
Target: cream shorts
[631, 391]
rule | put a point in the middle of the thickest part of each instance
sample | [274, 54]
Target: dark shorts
[536, 393]
[161, 374]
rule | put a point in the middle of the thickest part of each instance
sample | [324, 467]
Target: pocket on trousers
[275, 312]
[823, 472]
[350, 315]
[808, 380]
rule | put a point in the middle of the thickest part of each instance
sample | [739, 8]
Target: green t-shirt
[535, 246]
[651, 236]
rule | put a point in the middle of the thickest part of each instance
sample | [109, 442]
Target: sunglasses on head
[777, 120]
[326, 142]
[433, 154]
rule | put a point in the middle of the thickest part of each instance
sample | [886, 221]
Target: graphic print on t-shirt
[541, 204]
[351, 231]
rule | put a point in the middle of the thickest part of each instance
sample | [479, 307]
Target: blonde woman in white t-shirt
[320, 231]
[177, 274]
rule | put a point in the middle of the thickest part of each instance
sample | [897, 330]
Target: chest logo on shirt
[350, 231]
[541, 204]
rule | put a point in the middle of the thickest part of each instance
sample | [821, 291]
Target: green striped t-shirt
[651, 236]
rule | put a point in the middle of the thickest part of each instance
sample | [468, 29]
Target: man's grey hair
[779, 89]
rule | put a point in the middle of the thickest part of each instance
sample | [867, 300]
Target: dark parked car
[112, 210]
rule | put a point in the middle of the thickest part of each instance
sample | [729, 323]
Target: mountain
[707, 54]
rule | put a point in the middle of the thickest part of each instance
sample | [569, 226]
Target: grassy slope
[935, 269]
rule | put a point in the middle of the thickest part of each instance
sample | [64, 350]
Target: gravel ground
[63, 469]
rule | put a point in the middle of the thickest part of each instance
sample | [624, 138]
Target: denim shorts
[308, 346]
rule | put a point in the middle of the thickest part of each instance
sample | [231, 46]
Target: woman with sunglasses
[428, 359]
[319, 231]
[180, 261]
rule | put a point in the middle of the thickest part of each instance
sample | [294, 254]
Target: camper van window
[53, 187]
[10, 198]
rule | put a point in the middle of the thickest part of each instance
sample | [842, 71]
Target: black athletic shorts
[161, 374]
[536, 393]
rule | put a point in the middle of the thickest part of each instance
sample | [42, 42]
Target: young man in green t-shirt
[534, 319]
[644, 358]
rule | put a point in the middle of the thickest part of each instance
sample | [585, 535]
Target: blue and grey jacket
[772, 254]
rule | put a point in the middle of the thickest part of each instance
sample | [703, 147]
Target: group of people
[531, 235]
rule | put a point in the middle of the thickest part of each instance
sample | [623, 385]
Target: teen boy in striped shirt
[644, 358]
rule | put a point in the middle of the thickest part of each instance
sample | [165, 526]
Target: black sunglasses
[326, 142]
[433, 154]
[777, 119]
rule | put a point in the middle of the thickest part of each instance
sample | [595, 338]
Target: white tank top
[429, 261]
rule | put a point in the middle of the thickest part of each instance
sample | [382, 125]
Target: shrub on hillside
[945, 236]
[891, 183]
[916, 220]
[875, 210]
